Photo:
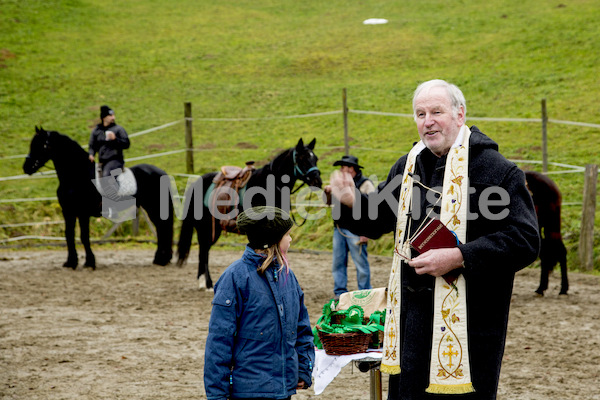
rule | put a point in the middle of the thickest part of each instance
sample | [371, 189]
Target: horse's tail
[553, 221]
[548, 200]
[189, 222]
[185, 237]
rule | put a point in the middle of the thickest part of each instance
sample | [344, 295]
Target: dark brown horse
[547, 200]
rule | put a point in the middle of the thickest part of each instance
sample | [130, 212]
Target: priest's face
[438, 124]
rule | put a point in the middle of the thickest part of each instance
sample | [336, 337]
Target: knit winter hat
[264, 225]
[105, 110]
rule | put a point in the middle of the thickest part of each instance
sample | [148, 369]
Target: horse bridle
[298, 173]
[38, 161]
[298, 170]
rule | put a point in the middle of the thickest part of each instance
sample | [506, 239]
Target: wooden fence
[586, 240]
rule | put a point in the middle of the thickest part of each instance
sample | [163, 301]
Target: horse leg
[84, 227]
[70, 221]
[543, 279]
[164, 252]
[547, 263]
[564, 281]
[164, 233]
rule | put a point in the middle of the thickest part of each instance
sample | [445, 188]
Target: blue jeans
[345, 241]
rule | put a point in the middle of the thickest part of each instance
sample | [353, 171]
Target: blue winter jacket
[259, 341]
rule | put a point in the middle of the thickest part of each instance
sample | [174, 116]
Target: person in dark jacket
[108, 140]
[424, 350]
[260, 342]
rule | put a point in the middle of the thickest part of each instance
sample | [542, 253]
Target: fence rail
[334, 112]
[588, 205]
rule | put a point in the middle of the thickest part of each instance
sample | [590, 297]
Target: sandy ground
[133, 330]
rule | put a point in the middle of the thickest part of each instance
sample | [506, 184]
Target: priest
[447, 307]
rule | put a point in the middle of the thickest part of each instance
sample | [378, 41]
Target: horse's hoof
[180, 262]
[70, 264]
[539, 294]
[162, 260]
[90, 262]
[561, 294]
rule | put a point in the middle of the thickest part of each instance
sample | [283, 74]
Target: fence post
[346, 145]
[588, 214]
[544, 137]
[135, 227]
[189, 145]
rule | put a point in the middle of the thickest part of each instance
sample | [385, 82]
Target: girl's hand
[301, 384]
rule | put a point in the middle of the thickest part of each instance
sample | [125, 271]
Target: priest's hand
[437, 262]
[342, 187]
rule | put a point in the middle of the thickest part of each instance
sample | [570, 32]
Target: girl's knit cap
[264, 225]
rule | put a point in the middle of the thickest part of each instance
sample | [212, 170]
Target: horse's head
[39, 151]
[305, 164]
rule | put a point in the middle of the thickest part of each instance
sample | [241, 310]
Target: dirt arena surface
[133, 330]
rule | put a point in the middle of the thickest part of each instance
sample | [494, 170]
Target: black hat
[264, 225]
[105, 110]
[350, 161]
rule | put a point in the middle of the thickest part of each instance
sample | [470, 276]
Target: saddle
[229, 180]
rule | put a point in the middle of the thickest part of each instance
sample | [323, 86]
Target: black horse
[296, 163]
[547, 200]
[79, 198]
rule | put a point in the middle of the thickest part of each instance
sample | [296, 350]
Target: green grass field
[61, 60]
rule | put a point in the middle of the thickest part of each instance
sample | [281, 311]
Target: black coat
[495, 249]
[108, 149]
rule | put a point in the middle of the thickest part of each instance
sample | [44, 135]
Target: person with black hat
[260, 342]
[108, 140]
[344, 241]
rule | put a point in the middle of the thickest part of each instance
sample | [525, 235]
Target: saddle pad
[126, 184]
[210, 190]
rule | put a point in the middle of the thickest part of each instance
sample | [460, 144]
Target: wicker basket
[338, 318]
[376, 340]
[341, 344]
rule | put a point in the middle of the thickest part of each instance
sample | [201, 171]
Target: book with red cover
[434, 235]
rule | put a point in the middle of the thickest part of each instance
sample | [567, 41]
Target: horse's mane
[66, 141]
[69, 153]
[275, 166]
[277, 161]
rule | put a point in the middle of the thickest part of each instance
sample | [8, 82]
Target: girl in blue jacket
[260, 343]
